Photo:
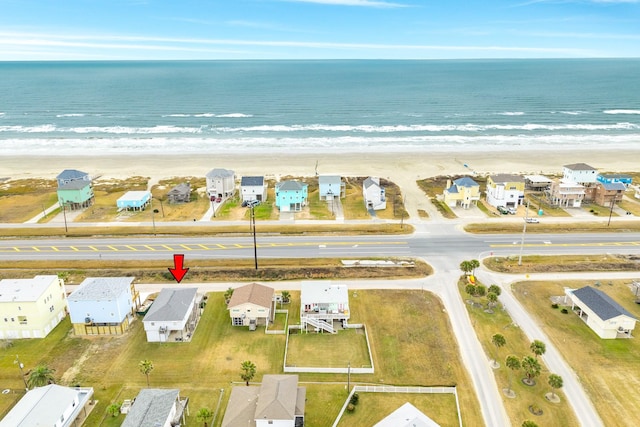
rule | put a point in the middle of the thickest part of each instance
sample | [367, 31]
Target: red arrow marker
[178, 272]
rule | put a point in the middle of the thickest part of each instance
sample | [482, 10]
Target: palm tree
[512, 363]
[531, 368]
[492, 299]
[286, 296]
[204, 414]
[495, 289]
[474, 264]
[555, 381]
[146, 366]
[113, 409]
[228, 294]
[466, 267]
[538, 348]
[248, 371]
[499, 341]
[41, 376]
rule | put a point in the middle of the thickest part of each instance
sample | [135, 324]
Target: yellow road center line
[130, 247]
[112, 248]
[205, 247]
[167, 247]
[74, 248]
[149, 247]
[186, 247]
[55, 249]
[220, 246]
[93, 248]
[17, 249]
[35, 248]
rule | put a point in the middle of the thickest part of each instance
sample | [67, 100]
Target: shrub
[351, 407]
[554, 305]
[564, 311]
[354, 399]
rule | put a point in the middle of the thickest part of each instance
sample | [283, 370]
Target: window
[22, 320]
[237, 321]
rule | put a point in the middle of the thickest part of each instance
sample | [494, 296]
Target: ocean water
[237, 106]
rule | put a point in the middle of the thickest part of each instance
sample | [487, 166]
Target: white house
[277, 402]
[172, 316]
[580, 173]
[52, 406]
[253, 188]
[322, 303]
[505, 190]
[602, 314]
[331, 187]
[252, 305]
[31, 308]
[103, 305]
[221, 183]
[154, 407]
[374, 194]
[407, 416]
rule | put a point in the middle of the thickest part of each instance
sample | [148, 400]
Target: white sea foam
[512, 113]
[570, 113]
[423, 143]
[621, 111]
[200, 115]
[70, 115]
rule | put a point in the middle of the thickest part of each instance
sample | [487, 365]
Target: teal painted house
[74, 189]
[291, 196]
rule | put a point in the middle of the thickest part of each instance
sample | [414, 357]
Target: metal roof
[71, 174]
[580, 167]
[223, 173]
[25, 290]
[601, 304]
[465, 181]
[291, 186]
[252, 180]
[319, 292]
[407, 416]
[172, 304]
[101, 288]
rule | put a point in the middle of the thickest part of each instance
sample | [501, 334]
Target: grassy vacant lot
[22, 199]
[211, 270]
[538, 201]
[517, 344]
[197, 206]
[407, 351]
[441, 408]
[337, 350]
[629, 206]
[107, 192]
[563, 263]
[544, 227]
[608, 369]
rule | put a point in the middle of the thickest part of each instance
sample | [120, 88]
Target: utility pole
[21, 367]
[64, 214]
[524, 230]
[348, 377]
[613, 200]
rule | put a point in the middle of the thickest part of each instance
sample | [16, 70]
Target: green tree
[113, 409]
[40, 376]
[286, 296]
[492, 299]
[228, 294]
[512, 363]
[532, 368]
[495, 289]
[466, 267]
[146, 366]
[555, 381]
[474, 264]
[499, 341]
[470, 289]
[481, 290]
[538, 348]
[248, 371]
[204, 415]
[529, 423]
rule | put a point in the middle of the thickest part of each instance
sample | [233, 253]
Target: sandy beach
[399, 167]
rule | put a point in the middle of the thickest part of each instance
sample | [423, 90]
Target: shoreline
[414, 165]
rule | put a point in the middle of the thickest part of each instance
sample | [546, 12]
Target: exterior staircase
[318, 323]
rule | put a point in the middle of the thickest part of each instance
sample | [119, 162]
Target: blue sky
[317, 29]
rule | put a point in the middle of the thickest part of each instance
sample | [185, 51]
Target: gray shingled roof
[613, 186]
[601, 304]
[101, 288]
[172, 304]
[580, 167]
[506, 177]
[278, 395]
[75, 185]
[182, 188]
[151, 407]
[330, 179]
[252, 180]
[291, 186]
[71, 174]
[369, 182]
[241, 408]
[219, 172]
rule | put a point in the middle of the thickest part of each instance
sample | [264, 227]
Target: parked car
[219, 199]
[512, 210]
[532, 220]
[503, 210]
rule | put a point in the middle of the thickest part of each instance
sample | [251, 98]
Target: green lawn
[329, 350]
